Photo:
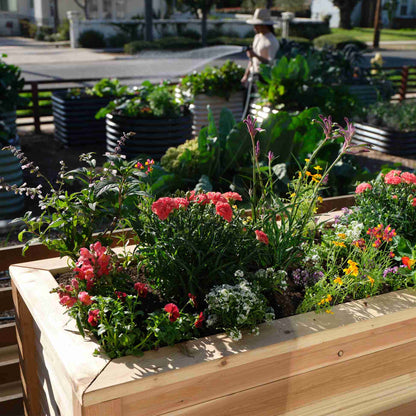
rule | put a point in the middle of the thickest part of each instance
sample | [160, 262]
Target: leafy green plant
[214, 81]
[107, 88]
[10, 86]
[147, 101]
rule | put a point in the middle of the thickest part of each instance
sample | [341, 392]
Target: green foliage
[11, 83]
[214, 81]
[117, 41]
[338, 41]
[147, 101]
[107, 88]
[128, 30]
[396, 116]
[308, 30]
[91, 39]
[169, 43]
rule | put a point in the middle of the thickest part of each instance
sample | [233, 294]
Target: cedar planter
[152, 136]
[359, 361]
[200, 112]
[74, 119]
[386, 140]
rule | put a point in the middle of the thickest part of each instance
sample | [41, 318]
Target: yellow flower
[292, 195]
[307, 173]
[371, 280]
[329, 311]
[329, 298]
[307, 160]
[234, 206]
[352, 268]
[342, 236]
[338, 280]
[320, 199]
[317, 167]
[338, 244]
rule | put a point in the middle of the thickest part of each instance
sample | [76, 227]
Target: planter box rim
[135, 119]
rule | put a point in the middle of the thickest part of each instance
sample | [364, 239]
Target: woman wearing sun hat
[265, 44]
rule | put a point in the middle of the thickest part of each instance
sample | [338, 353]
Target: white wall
[320, 8]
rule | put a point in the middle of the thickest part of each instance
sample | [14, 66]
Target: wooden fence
[39, 110]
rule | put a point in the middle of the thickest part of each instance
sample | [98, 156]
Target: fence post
[403, 83]
[35, 101]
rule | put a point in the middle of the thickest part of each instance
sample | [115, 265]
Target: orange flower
[408, 262]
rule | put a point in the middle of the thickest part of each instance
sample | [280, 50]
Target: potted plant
[157, 120]
[389, 128]
[217, 87]
[74, 112]
[294, 84]
[205, 267]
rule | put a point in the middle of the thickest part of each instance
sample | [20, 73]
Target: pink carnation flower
[180, 202]
[163, 207]
[393, 177]
[262, 237]
[414, 202]
[233, 196]
[224, 209]
[362, 187]
[85, 298]
[408, 177]
[216, 197]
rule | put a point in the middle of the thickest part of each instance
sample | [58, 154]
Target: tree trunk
[149, 20]
[204, 27]
[55, 16]
[345, 17]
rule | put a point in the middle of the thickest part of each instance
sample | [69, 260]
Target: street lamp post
[376, 39]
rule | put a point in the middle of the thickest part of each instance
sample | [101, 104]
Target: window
[120, 9]
[403, 8]
[8, 5]
[93, 9]
[107, 9]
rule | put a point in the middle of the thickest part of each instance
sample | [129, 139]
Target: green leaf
[79, 325]
[226, 124]
[212, 128]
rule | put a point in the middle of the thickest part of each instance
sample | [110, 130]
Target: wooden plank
[260, 371]
[205, 357]
[12, 407]
[332, 382]
[9, 373]
[28, 369]
[10, 391]
[7, 334]
[406, 409]
[57, 331]
[6, 299]
[109, 408]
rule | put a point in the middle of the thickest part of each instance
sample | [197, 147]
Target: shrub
[178, 43]
[91, 39]
[27, 29]
[139, 45]
[308, 30]
[118, 40]
[338, 41]
[225, 40]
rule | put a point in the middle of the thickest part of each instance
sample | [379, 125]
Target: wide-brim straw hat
[261, 17]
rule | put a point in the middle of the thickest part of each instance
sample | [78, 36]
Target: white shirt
[265, 46]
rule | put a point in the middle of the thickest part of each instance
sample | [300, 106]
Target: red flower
[74, 283]
[142, 289]
[414, 202]
[163, 207]
[233, 196]
[393, 177]
[93, 317]
[408, 262]
[224, 209]
[202, 199]
[180, 202]
[121, 295]
[198, 322]
[408, 177]
[193, 299]
[362, 187]
[68, 301]
[173, 311]
[216, 197]
[85, 298]
[262, 237]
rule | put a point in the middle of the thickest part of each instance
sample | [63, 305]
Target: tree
[83, 4]
[345, 9]
[202, 6]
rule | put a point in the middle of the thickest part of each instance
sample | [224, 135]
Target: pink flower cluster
[93, 264]
[395, 177]
[164, 206]
[363, 187]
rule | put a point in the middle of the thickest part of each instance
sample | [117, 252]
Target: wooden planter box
[386, 140]
[359, 361]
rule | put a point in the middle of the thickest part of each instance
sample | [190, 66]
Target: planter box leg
[27, 356]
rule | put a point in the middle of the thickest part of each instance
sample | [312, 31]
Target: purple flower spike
[327, 125]
[257, 148]
[251, 126]
[348, 134]
[270, 156]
